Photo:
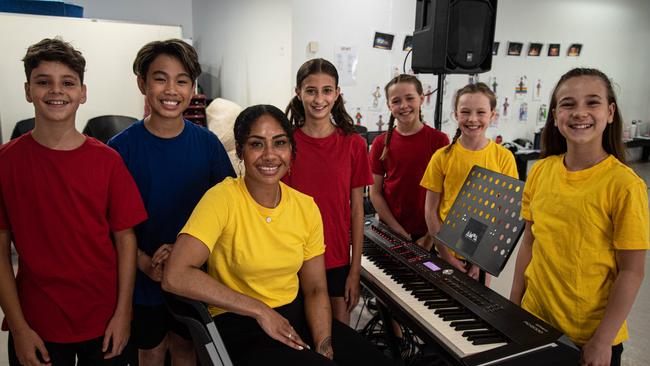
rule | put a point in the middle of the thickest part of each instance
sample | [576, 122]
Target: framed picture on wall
[383, 41]
[495, 48]
[574, 50]
[408, 43]
[553, 50]
[535, 49]
[514, 48]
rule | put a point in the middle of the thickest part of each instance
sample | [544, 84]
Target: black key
[468, 325]
[476, 333]
[451, 317]
[488, 340]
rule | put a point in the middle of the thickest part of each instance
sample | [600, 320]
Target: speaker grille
[469, 38]
[453, 36]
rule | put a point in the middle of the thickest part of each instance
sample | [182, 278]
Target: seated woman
[263, 242]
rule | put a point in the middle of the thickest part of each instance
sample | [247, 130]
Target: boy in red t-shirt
[68, 204]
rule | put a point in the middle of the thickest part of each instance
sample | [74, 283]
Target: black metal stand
[437, 118]
[391, 338]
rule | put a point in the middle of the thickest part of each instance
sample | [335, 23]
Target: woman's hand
[279, 328]
[325, 348]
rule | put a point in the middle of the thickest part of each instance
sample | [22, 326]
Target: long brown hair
[553, 143]
[403, 78]
[471, 89]
[295, 111]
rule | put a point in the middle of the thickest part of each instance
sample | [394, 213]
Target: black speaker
[453, 36]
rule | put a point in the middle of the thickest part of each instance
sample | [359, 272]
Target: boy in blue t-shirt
[174, 162]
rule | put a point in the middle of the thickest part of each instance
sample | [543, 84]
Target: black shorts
[69, 354]
[152, 323]
[336, 278]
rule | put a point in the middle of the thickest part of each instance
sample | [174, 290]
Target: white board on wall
[109, 48]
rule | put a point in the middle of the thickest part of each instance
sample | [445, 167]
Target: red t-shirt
[328, 169]
[61, 207]
[403, 168]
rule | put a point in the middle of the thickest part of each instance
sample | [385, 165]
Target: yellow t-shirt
[446, 172]
[579, 220]
[255, 250]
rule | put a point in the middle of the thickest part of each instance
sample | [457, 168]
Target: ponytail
[295, 112]
[389, 135]
[341, 117]
[453, 141]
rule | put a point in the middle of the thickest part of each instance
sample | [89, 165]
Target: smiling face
[266, 151]
[404, 103]
[318, 92]
[167, 87]
[56, 92]
[582, 111]
[474, 114]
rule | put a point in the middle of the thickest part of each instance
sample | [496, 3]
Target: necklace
[276, 202]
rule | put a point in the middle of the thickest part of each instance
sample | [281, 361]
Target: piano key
[468, 325]
[461, 316]
[435, 324]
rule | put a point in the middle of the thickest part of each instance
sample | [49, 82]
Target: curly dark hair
[250, 115]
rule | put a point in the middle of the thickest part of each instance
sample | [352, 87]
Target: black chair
[363, 131]
[22, 127]
[209, 346]
[104, 127]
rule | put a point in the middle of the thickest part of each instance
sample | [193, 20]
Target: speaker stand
[437, 117]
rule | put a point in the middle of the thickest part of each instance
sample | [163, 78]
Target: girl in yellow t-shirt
[474, 109]
[581, 261]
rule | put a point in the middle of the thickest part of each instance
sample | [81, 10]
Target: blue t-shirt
[172, 175]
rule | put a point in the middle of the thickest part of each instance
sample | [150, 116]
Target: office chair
[363, 131]
[209, 346]
[105, 127]
[22, 127]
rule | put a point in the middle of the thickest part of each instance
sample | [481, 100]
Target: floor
[636, 349]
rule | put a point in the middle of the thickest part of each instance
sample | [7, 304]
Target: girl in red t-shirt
[399, 158]
[331, 165]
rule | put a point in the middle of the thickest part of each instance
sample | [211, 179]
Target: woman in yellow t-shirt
[474, 109]
[581, 261]
[263, 243]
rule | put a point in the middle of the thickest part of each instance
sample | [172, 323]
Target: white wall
[614, 35]
[245, 49]
[166, 12]
[251, 49]
[338, 23]
[108, 47]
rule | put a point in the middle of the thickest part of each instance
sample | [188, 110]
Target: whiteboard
[109, 48]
